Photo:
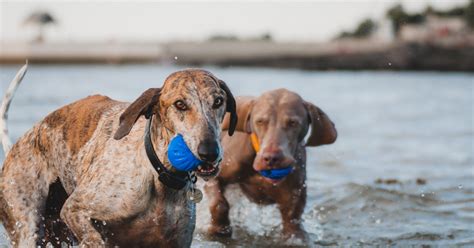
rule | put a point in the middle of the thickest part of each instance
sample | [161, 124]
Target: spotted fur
[112, 193]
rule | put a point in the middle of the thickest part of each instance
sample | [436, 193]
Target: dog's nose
[208, 151]
[272, 158]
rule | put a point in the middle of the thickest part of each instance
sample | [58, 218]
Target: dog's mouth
[272, 181]
[206, 171]
[276, 175]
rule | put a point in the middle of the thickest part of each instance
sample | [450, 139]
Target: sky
[197, 20]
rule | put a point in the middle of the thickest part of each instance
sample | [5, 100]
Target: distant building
[439, 30]
[384, 31]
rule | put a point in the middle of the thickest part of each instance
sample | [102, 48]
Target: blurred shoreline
[350, 54]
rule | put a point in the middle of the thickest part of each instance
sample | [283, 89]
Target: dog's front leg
[291, 207]
[77, 214]
[219, 208]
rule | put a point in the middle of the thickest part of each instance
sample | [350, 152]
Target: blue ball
[276, 174]
[180, 156]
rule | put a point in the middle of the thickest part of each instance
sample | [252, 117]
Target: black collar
[173, 180]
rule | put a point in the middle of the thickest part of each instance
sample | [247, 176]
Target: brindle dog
[112, 193]
[279, 121]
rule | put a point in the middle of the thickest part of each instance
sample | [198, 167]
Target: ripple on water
[374, 214]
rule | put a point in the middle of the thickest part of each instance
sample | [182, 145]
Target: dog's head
[192, 103]
[280, 120]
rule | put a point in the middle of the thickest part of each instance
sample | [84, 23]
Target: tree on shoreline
[469, 14]
[40, 19]
[399, 17]
[364, 29]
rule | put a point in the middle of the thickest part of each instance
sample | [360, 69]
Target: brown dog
[115, 195]
[279, 121]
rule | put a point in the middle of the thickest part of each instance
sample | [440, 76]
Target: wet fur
[241, 162]
[106, 190]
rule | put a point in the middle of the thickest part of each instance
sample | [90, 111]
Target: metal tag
[194, 195]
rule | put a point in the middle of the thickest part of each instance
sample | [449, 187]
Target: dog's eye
[218, 102]
[180, 105]
[261, 122]
[292, 123]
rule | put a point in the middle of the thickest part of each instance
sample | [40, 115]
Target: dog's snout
[208, 151]
[272, 158]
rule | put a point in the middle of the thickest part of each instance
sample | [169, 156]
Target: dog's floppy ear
[139, 107]
[323, 130]
[244, 108]
[231, 108]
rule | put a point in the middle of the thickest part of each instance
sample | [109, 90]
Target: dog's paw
[220, 231]
[295, 237]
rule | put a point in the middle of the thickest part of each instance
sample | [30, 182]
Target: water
[406, 126]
